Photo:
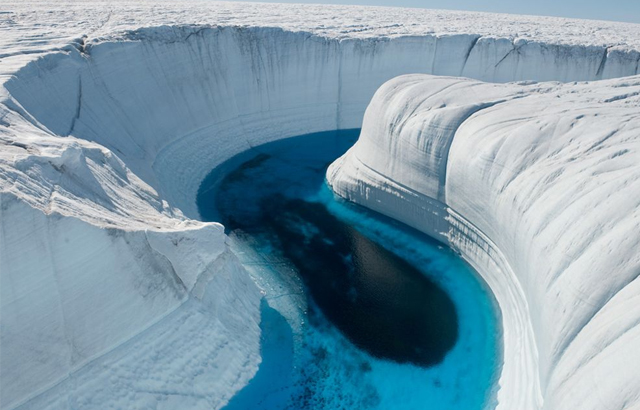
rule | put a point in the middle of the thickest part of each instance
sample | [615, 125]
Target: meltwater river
[360, 312]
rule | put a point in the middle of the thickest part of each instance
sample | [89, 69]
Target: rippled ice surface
[360, 312]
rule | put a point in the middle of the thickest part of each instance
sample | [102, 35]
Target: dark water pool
[367, 304]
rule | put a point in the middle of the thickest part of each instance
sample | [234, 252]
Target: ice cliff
[538, 186]
[112, 114]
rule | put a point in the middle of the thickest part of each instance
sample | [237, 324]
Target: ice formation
[538, 186]
[111, 114]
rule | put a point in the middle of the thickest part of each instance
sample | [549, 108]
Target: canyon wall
[173, 102]
[538, 187]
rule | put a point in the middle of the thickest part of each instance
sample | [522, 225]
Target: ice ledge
[543, 198]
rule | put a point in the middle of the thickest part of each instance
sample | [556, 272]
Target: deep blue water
[360, 312]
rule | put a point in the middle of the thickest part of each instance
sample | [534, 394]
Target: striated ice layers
[538, 186]
[113, 294]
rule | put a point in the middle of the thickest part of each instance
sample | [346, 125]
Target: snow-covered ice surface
[538, 186]
[111, 114]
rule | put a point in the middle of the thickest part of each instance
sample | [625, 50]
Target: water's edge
[287, 298]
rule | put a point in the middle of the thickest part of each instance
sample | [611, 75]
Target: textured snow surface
[112, 113]
[542, 181]
[53, 21]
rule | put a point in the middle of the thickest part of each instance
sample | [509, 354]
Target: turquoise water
[359, 312]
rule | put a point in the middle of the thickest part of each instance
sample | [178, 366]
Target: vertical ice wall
[173, 102]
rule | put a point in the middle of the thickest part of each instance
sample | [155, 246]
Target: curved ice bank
[538, 186]
[174, 102]
[105, 140]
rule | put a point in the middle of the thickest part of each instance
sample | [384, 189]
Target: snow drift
[105, 140]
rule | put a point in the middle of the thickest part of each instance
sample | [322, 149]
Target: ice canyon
[513, 140]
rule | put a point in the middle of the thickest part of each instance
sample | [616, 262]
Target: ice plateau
[114, 294]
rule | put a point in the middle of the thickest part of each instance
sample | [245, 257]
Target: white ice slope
[537, 186]
[107, 129]
[90, 257]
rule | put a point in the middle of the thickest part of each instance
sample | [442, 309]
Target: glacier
[111, 115]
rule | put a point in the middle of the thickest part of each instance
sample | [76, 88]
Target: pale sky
[617, 10]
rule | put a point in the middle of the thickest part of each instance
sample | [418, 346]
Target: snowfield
[111, 114]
